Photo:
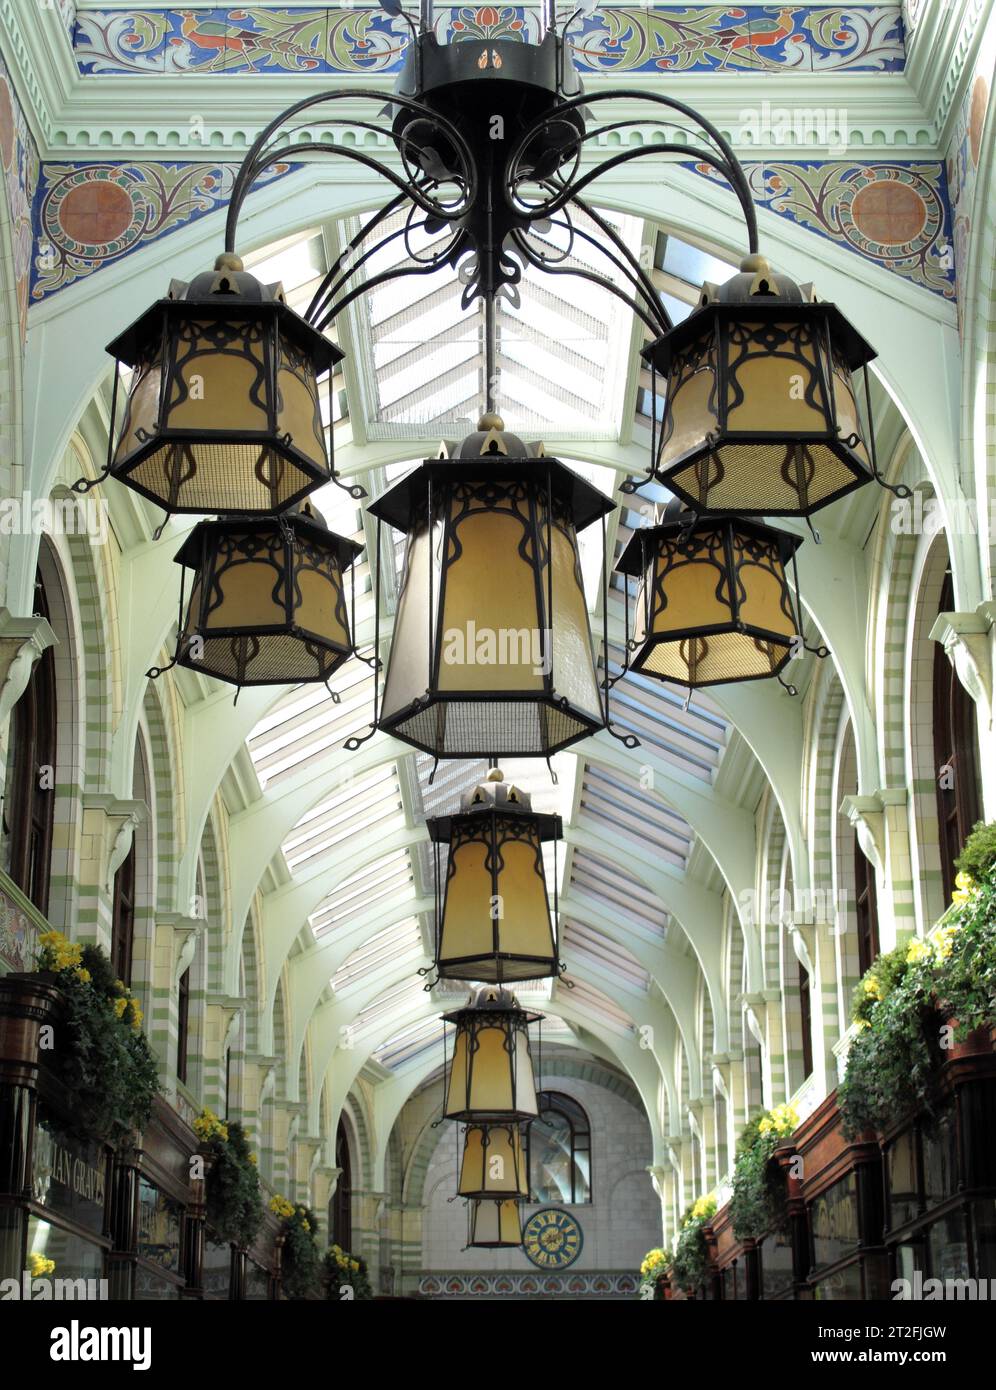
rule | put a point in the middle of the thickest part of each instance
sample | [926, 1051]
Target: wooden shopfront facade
[129, 1223]
[916, 1204]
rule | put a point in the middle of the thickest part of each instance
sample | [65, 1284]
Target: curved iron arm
[522, 244]
[729, 165]
[655, 310]
[258, 157]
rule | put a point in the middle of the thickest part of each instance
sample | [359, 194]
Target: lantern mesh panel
[235, 478]
[282, 659]
[724, 656]
[489, 971]
[750, 478]
[506, 728]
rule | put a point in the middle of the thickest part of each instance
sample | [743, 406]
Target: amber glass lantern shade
[491, 1071]
[714, 603]
[492, 652]
[223, 412]
[493, 920]
[493, 1163]
[268, 603]
[760, 400]
[494, 1225]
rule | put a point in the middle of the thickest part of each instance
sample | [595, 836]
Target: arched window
[182, 1025]
[123, 919]
[865, 908]
[341, 1213]
[957, 774]
[558, 1151]
[29, 798]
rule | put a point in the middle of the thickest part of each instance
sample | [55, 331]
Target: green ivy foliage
[106, 1062]
[758, 1203]
[908, 999]
[301, 1264]
[234, 1198]
[690, 1263]
[341, 1275]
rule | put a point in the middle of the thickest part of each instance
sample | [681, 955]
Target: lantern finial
[496, 775]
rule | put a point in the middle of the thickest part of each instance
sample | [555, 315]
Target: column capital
[967, 642]
[112, 821]
[22, 641]
[867, 817]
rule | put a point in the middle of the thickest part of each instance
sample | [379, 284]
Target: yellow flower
[872, 987]
[917, 951]
[83, 976]
[703, 1209]
[964, 881]
[119, 1007]
[862, 1023]
[253, 1159]
[354, 1266]
[306, 1224]
[945, 940]
[39, 1265]
[281, 1207]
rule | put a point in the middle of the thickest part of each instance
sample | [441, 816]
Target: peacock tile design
[896, 214]
[613, 39]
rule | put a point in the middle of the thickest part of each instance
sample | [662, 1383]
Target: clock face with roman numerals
[552, 1238]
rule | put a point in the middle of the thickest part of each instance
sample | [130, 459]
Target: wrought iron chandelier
[765, 411]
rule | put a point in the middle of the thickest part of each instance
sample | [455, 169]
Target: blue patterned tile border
[896, 214]
[614, 39]
[87, 216]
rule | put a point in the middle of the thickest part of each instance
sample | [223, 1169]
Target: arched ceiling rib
[337, 840]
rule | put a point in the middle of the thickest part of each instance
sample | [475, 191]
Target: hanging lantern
[491, 1074]
[714, 603]
[492, 651]
[760, 402]
[494, 921]
[268, 602]
[493, 1163]
[223, 411]
[493, 1225]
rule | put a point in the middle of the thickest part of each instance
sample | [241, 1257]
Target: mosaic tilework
[896, 213]
[19, 175]
[693, 38]
[88, 216]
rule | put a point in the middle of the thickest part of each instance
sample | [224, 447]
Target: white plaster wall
[621, 1224]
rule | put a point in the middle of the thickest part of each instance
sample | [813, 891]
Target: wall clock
[552, 1238]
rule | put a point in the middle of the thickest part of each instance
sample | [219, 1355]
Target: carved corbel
[967, 642]
[867, 816]
[186, 932]
[22, 641]
[117, 820]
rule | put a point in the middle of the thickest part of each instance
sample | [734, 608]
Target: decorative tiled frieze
[515, 1285]
[613, 39]
[895, 214]
[91, 215]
